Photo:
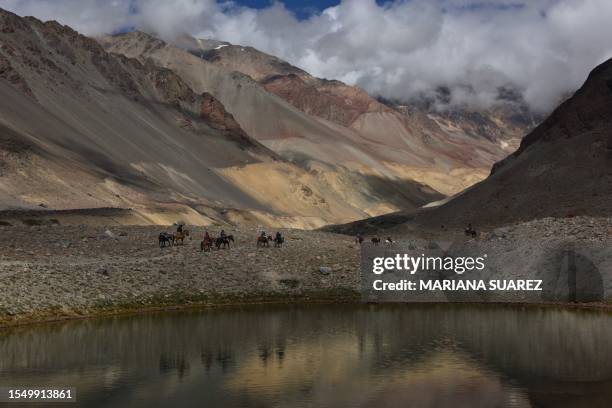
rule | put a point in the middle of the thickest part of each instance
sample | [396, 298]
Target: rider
[222, 234]
[279, 237]
[206, 237]
[263, 234]
[179, 229]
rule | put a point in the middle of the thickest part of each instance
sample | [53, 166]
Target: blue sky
[302, 9]
[297, 6]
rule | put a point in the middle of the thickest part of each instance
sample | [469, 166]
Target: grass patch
[290, 283]
[36, 222]
[33, 222]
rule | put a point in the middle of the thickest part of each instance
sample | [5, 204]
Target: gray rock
[325, 270]
[106, 235]
[501, 232]
[103, 270]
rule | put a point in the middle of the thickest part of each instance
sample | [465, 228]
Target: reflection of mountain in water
[326, 355]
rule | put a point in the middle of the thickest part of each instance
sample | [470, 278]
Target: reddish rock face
[214, 113]
[331, 100]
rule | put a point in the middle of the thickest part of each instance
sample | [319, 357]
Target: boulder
[325, 270]
[500, 232]
[103, 270]
[106, 235]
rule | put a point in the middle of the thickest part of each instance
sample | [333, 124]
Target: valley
[105, 142]
[186, 131]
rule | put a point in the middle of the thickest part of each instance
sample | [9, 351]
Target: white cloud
[544, 48]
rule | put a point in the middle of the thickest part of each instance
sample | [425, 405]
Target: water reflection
[323, 356]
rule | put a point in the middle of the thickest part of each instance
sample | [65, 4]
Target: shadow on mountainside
[405, 194]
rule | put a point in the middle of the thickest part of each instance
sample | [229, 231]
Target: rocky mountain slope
[320, 124]
[205, 131]
[562, 169]
[504, 124]
[83, 128]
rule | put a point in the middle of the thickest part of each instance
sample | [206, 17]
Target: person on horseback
[222, 234]
[207, 242]
[179, 229]
[278, 240]
[263, 234]
[470, 231]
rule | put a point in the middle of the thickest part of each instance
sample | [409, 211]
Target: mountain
[205, 131]
[84, 128]
[504, 124]
[318, 123]
[563, 168]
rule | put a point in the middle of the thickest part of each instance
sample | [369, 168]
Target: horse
[388, 241]
[224, 241]
[165, 238]
[278, 241]
[471, 233]
[375, 241]
[263, 241]
[180, 236]
[206, 244]
[358, 239]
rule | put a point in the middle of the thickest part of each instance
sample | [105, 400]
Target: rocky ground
[555, 251]
[72, 270]
[56, 270]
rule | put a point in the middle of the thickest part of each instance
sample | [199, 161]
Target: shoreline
[48, 316]
[344, 297]
[57, 273]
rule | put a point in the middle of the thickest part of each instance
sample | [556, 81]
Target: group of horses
[208, 243]
[375, 240]
[169, 239]
[264, 241]
[469, 231]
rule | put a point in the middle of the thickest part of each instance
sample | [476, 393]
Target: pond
[437, 355]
